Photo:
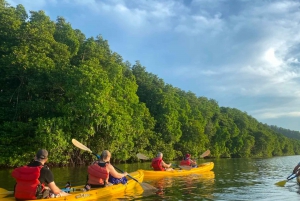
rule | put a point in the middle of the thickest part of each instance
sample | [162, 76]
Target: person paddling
[33, 178]
[101, 173]
[187, 161]
[159, 165]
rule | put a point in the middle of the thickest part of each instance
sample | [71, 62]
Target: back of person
[185, 162]
[31, 179]
[28, 186]
[157, 164]
[98, 175]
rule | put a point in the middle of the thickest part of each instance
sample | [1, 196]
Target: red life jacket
[97, 175]
[156, 164]
[27, 182]
[185, 163]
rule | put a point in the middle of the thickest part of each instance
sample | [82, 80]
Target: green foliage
[56, 85]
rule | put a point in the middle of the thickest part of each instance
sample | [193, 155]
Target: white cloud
[231, 51]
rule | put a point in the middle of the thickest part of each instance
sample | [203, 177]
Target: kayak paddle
[206, 153]
[5, 192]
[283, 182]
[145, 186]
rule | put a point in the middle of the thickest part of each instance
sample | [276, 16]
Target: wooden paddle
[145, 186]
[283, 182]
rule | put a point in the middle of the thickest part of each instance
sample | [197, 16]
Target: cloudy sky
[242, 53]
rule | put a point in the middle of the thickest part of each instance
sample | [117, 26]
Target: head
[187, 156]
[105, 156]
[42, 155]
[159, 155]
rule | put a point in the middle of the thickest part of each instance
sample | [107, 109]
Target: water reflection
[231, 179]
[194, 186]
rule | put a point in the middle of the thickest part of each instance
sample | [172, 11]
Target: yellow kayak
[77, 192]
[203, 167]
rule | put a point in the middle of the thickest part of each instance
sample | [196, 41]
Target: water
[231, 179]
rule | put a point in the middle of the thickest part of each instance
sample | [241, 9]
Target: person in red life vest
[159, 165]
[101, 173]
[31, 180]
[187, 161]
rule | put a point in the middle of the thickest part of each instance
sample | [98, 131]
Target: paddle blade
[147, 187]
[281, 183]
[142, 156]
[206, 153]
[80, 146]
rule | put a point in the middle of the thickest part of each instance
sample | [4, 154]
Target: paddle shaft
[127, 174]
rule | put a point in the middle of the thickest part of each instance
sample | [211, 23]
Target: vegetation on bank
[56, 85]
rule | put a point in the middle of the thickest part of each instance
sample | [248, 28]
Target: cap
[42, 154]
[187, 156]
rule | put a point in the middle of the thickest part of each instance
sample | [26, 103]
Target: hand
[125, 174]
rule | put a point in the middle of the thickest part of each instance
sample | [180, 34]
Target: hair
[159, 154]
[105, 154]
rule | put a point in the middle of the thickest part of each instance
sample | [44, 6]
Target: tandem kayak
[77, 192]
[203, 167]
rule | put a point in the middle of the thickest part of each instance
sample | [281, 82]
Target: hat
[187, 155]
[42, 154]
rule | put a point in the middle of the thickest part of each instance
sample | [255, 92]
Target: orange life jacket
[156, 164]
[27, 182]
[97, 175]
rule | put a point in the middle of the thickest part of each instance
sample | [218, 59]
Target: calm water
[231, 179]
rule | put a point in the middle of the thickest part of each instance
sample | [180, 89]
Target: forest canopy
[56, 85]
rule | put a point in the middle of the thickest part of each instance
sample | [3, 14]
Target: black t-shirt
[46, 175]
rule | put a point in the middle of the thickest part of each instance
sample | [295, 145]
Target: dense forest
[56, 85]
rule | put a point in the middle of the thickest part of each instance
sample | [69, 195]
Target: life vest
[185, 163]
[97, 175]
[156, 164]
[27, 182]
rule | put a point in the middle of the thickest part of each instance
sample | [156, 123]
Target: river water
[231, 179]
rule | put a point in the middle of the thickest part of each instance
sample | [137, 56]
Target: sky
[242, 53]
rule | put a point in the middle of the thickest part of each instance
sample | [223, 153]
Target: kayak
[203, 167]
[78, 193]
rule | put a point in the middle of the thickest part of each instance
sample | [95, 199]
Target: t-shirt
[46, 175]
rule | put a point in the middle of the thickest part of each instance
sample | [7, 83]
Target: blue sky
[242, 53]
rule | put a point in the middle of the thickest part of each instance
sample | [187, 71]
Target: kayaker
[187, 161]
[101, 173]
[33, 178]
[159, 165]
[297, 169]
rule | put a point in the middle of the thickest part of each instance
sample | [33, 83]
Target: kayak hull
[94, 194]
[203, 167]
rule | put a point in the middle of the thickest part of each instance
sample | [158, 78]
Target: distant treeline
[56, 85]
[286, 132]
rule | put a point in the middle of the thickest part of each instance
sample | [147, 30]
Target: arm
[114, 173]
[54, 188]
[193, 162]
[165, 165]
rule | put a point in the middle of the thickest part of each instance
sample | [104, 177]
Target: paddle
[5, 192]
[206, 153]
[145, 186]
[282, 183]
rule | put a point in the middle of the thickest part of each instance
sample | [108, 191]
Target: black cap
[42, 154]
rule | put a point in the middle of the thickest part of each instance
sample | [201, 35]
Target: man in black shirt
[44, 176]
